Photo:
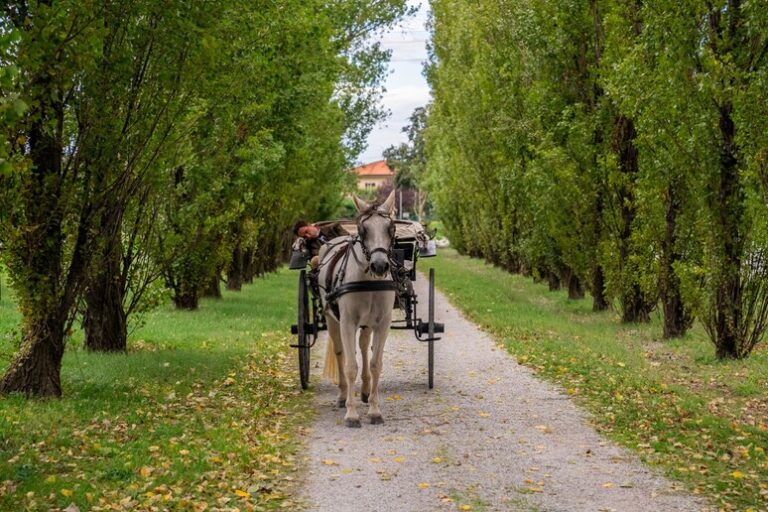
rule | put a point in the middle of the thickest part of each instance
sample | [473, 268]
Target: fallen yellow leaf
[66, 492]
[423, 485]
[242, 494]
[329, 462]
[145, 471]
[51, 479]
[737, 474]
[437, 460]
[399, 460]
[465, 507]
[482, 414]
[608, 485]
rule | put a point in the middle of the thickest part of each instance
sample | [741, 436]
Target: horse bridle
[361, 235]
[335, 285]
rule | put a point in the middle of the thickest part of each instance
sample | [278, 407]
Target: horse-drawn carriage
[410, 242]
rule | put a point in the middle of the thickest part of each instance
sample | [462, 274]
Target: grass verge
[704, 421]
[200, 414]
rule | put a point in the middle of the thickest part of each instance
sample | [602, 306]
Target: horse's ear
[360, 204]
[389, 205]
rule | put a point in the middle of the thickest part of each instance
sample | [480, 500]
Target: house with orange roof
[374, 175]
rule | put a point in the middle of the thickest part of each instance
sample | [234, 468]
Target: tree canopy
[151, 145]
[616, 146]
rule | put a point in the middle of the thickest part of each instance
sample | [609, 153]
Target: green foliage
[160, 138]
[618, 143]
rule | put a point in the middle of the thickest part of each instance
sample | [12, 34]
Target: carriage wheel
[431, 326]
[303, 334]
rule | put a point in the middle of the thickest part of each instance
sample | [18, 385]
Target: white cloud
[406, 86]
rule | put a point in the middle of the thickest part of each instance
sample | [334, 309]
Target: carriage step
[424, 328]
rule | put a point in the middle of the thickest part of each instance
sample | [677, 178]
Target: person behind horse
[317, 236]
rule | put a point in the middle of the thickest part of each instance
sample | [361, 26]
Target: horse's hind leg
[365, 343]
[377, 358]
[334, 333]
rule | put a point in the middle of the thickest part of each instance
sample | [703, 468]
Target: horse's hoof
[341, 403]
[364, 397]
[377, 420]
[353, 423]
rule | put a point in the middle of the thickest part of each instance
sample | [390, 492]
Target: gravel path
[489, 436]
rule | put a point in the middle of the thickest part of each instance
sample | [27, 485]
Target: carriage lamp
[428, 250]
[298, 260]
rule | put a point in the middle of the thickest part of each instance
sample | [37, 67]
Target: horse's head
[376, 229]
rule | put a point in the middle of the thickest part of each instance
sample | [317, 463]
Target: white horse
[361, 258]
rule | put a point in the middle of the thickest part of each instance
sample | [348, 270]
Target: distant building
[374, 175]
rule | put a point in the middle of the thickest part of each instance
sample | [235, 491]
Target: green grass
[704, 421]
[199, 413]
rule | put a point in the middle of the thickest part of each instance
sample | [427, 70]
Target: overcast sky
[406, 87]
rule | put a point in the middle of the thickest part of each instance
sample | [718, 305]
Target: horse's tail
[331, 368]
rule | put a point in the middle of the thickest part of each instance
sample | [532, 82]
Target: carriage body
[411, 243]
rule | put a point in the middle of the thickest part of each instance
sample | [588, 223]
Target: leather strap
[361, 286]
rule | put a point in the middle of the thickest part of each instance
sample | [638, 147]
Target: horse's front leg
[348, 332]
[377, 358]
[365, 344]
[334, 332]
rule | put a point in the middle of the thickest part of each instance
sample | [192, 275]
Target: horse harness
[334, 283]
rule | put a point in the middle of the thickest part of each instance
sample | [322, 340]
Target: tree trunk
[553, 280]
[105, 320]
[36, 368]
[186, 300]
[635, 306]
[214, 288]
[248, 271]
[599, 301]
[728, 298]
[575, 290]
[677, 318]
[235, 272]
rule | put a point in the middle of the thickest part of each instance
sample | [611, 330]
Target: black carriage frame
[311, 320]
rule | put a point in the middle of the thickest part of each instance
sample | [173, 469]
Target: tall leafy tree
[153, 136]
[45, 232]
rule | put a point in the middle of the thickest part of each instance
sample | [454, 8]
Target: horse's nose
[379, 267]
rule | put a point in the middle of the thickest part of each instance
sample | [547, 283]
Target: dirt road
[490, 436]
